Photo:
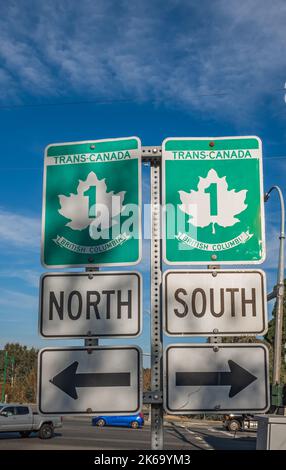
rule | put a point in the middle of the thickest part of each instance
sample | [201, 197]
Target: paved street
[78, 434]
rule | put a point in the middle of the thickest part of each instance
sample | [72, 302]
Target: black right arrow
[238, 378]
[67, 380]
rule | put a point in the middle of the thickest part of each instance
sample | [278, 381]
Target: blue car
[133, 421]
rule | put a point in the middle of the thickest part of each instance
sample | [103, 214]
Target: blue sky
[73, 71]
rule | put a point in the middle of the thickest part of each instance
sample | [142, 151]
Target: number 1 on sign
[91, 194]
[212, 191]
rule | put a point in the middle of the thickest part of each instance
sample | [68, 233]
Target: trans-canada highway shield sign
[213, 201]
[92, 203]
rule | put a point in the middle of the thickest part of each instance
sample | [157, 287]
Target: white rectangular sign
[216, 378]
[88, 381]
[215, 302]
[91, 304]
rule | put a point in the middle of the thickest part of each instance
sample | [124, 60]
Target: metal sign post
[278, 292]
[156, 311]
[279, 289]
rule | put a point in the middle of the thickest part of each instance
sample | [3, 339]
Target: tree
[22, 375]
[240, 339]
[270, 335]
[146, 380]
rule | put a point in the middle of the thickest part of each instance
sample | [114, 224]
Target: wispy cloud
[18, 230]
[167, 51]
[29, 276]
[11, 299]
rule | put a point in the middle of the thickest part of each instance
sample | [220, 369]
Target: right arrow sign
[217, 378]
[238, 378]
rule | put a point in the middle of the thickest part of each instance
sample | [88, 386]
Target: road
[78, 434]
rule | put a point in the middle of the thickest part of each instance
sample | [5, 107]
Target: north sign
[216, 378]
[213, 200]
[91, 304]
[214, 302]
[88, 381]
[92, 203]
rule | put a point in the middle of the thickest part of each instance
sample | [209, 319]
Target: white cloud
[167, 51]
[18, 230]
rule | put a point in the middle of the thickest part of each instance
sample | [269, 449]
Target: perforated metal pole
[156, 309]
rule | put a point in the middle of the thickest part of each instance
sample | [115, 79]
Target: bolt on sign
[92, 203]
[213, 198]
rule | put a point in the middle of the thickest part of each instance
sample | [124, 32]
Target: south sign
[214, 302]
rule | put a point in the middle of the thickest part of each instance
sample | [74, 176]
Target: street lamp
[279, 291]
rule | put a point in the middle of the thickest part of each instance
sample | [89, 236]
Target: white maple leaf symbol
[219, 206]
[76, 207]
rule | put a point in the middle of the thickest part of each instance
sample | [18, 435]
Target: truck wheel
[25, 433]
[46, 431]
[234, 425]
[134, 425]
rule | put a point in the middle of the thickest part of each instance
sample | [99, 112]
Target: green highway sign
[213, 198]
[92, 203]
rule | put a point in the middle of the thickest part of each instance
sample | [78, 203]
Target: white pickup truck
[22, 419]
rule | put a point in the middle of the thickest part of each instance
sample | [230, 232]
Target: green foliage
[240, 339]
[21, 372]
[269, 337]
[147, 379]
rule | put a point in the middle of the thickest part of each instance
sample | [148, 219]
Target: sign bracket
[150, 398]
[90, 342]
[214, 339]
[151, 154]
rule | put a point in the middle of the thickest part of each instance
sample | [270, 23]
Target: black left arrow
[68, 380]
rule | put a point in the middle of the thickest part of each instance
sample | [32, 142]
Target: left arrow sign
[68, 380]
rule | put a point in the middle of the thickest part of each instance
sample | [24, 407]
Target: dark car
[133, 421]
[245, 422]
[236, 422]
